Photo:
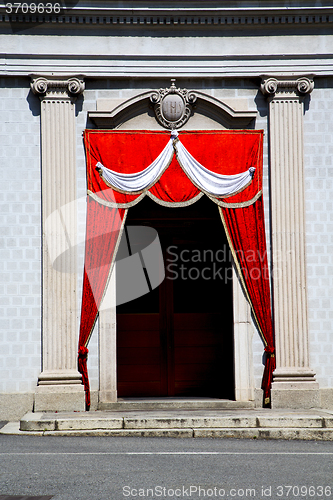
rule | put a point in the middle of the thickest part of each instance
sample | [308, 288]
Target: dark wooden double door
[177, 339]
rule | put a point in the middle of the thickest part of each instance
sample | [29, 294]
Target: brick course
[20, 252]
[318, 150]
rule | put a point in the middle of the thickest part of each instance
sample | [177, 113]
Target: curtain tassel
[82, 367]
[267, 378]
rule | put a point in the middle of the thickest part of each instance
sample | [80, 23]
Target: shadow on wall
[34, 104]
[261, 103]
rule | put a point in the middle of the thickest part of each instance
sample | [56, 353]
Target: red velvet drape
[245, 229]
[103, 231]
[224, 152]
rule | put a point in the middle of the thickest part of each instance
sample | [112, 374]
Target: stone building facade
[267, 65]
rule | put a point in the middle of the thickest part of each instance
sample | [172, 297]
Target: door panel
[177, 340]
[138, 389]
[198, 347]
[138, 354]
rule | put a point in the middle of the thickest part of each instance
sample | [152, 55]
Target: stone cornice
[161, 66]
[176, 15]
[57, 87]
[271, 86]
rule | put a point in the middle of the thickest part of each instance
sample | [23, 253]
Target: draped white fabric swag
[209, 182]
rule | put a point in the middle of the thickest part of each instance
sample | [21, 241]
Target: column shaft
[59, 383]
[294, 382]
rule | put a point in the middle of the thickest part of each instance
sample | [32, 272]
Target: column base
[63, 377]
[60, 397]
[295, 389]
[107, 397]
[59, 390]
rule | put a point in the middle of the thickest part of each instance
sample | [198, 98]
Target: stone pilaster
[108, 346]
[59, 383]
[243, 351]
[294, 384]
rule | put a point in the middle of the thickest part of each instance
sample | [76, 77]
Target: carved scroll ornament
[173, 106]
[302, 86]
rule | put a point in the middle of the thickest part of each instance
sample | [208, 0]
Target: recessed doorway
[177, 340]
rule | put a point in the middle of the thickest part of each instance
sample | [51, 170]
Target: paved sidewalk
[314, 424]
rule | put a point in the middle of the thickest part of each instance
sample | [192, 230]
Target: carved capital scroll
[271, 86]
[69, 87]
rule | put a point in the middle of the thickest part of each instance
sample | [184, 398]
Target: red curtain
[245, 229]
[224, 152]
[102, 234]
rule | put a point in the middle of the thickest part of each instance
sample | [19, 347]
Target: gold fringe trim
[178, 204]
[169, 204]
[114, 204]
[235, 205]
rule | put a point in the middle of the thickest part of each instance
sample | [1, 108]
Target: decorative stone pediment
[172, 107]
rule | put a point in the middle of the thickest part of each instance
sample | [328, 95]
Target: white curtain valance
[139, 181]
[207, 181]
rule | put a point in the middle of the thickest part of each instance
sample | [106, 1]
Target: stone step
[172, 420]
[323, 434]
[175, 404]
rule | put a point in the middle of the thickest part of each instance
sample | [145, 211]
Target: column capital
[284, 87]
[55, 87]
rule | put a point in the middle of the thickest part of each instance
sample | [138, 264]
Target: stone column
[59, 383]
[294, 384]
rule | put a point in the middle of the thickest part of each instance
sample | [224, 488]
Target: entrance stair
[130, 419]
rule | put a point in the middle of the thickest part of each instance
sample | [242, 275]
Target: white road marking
[168, 453]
